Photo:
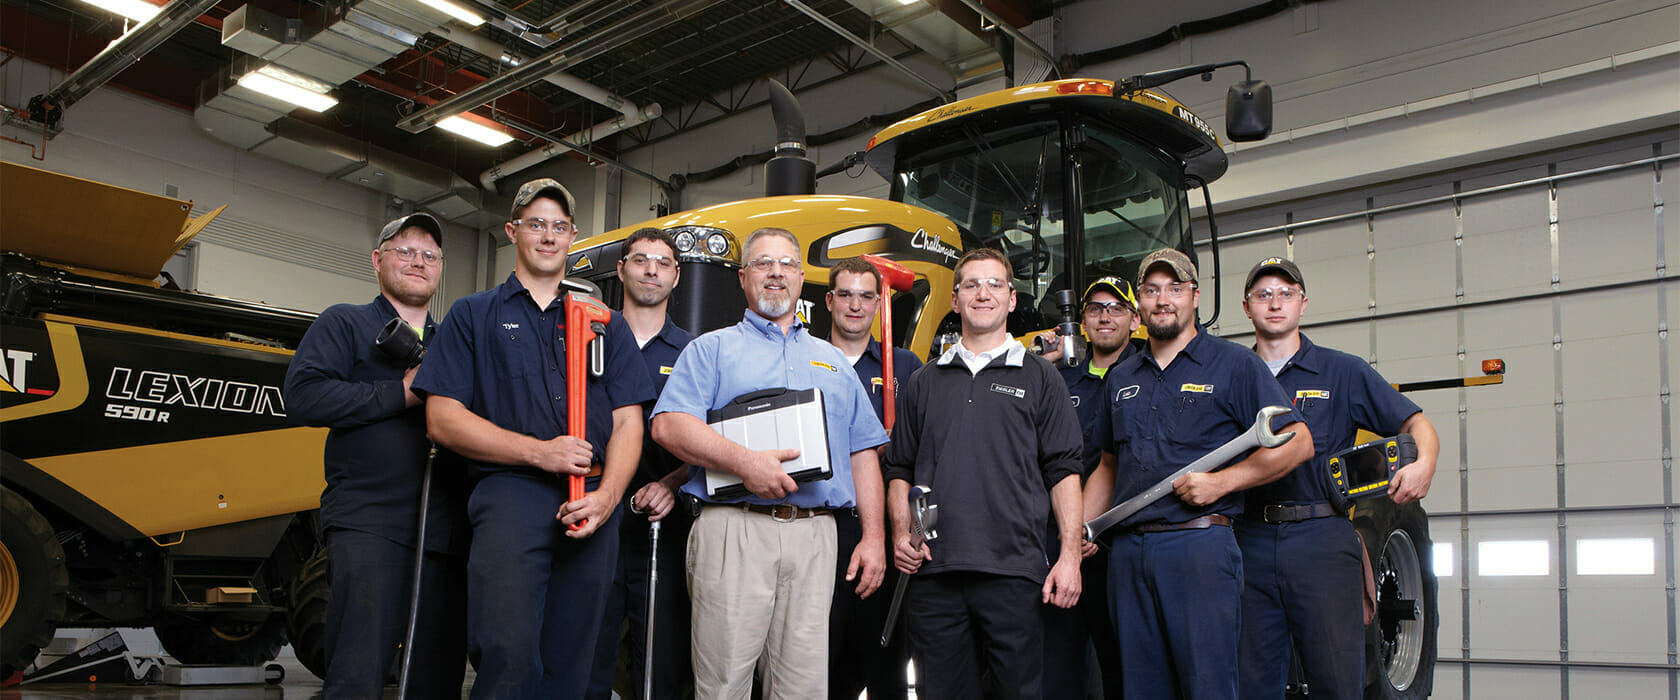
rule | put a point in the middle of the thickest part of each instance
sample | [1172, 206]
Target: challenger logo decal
[583, 263]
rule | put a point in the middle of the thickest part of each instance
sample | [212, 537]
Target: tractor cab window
[1131, 205]
[1003, 188]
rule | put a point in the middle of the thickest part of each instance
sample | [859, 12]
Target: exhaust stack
[789, 171]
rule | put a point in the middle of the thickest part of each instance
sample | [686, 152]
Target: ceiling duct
[358, 36]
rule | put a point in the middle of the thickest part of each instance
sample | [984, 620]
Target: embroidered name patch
[1197, 388]
[1126, 393]
[1312, 394]
[1012, 391]
[824, 365]
[664, 369]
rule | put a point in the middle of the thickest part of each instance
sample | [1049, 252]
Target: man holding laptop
[761, 564]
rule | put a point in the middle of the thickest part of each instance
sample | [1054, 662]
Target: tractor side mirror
[1248, 111]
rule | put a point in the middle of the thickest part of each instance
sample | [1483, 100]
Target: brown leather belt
[1201, 523]
[1276, 514]
[594, 470]
[783, 512]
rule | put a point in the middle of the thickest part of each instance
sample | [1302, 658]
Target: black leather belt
[1201, 523]
[783, 512]
[1278, 514]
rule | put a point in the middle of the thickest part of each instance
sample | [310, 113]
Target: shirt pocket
[515, 352]
[1193, 416]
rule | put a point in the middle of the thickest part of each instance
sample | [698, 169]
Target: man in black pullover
[991, 430]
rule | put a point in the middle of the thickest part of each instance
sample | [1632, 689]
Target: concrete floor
[298, 684]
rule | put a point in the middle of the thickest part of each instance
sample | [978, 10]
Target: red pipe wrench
[586, 322]
[894, 276]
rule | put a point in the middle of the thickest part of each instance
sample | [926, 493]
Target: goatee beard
[773, 307]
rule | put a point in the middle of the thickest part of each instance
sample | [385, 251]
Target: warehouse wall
[1573, 447]
[289, 237]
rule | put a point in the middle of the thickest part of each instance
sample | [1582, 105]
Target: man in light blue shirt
[761, 567]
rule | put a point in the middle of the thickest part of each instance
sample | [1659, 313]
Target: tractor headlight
[717, 244]
[685, 239]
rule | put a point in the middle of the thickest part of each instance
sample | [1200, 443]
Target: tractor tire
[306, 615]
[222, 642]
[1400, 642]
[34, 582]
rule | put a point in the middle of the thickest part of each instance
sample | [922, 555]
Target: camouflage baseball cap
[1183, 269]
[542, 186]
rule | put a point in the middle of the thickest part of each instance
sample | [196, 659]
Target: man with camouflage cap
[1175, 575]
[495, 388]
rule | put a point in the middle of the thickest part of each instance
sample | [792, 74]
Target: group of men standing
[784, 591]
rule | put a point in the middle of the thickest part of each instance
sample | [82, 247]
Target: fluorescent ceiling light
[453, 10]
[1634, 556]
[474, 130]
[288, 87]
[137, 10]
[1514, 558]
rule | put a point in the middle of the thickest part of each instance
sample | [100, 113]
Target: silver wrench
[923, 517]
[1259, 435]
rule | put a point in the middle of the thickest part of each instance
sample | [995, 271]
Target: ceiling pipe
[126, 51]
[565, 144]
[589, 46]
[565, 81]
[1015, 35]
[880, 55]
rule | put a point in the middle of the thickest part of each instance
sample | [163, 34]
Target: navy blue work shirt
[660, 355]
[375, 455]
[754, 355]
[869, 367]
[505, 360]
[1156, 420]
[1337, 394]
[1085, 383]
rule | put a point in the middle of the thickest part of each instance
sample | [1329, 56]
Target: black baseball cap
[422, 220]
[1282, 267]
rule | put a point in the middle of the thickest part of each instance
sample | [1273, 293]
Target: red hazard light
[1086, 87]
[1494, 366]
[871, 145]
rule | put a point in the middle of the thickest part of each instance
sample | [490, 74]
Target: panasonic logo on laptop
[758, 407]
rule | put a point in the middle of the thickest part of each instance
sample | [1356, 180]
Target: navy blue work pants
[367, 617]
[1175, 599]
[535, 596]
[1070, 635]
[626, 610]
[958, 621]
[1302, 588]
[856, 659]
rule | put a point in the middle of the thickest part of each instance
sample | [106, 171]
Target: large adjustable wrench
[923, 517]
[1259, 435]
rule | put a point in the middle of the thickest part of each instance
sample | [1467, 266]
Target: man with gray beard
[761, 566]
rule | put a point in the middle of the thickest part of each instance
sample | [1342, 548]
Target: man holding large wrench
[1175, 574]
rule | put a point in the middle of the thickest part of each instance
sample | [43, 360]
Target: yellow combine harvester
[150, 476]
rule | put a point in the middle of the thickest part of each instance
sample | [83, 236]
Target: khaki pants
[761, 590]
